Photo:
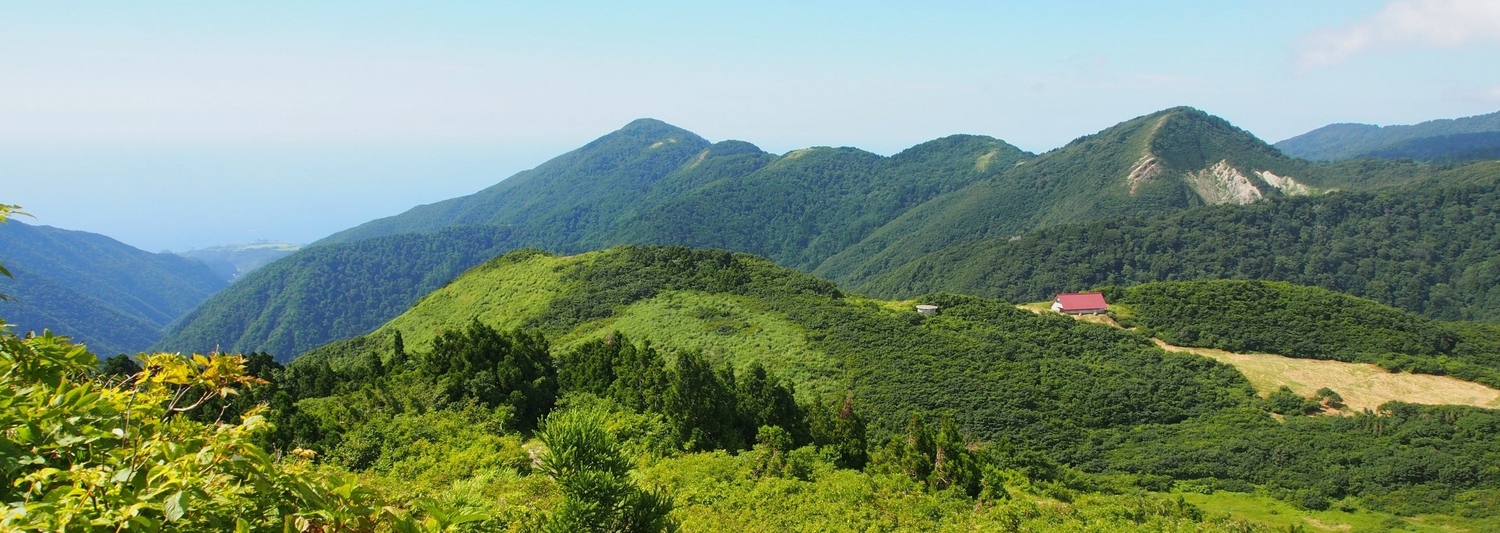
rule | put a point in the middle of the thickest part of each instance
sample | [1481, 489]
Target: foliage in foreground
[94, 452]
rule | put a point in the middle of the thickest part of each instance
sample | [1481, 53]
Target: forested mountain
[43, 304]
[1085, 395]
[840, 212]
[104, 293]
[330, 292]
[1166, 161]
[809, 204]
[566, 199]
[1431, 247]
[647, 183]
[651, 182]
[1348, 141]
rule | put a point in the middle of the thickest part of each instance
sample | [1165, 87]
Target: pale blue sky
[175, 125]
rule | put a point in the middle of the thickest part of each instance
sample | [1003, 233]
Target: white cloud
[1403, 24]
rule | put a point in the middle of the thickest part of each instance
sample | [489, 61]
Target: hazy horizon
[171, 126]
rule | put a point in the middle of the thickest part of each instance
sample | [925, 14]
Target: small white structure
[928, 310]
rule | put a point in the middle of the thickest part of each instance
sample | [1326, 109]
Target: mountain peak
[651, 126]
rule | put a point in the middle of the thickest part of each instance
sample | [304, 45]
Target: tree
[840, 428]
[1284, 401]
[495, 368]
[398, 351]
[766, 402]
[942, 460]
[701, 406]
[119, 366]
[590, 468]
[1329, 398]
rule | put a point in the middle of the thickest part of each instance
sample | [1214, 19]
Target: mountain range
[927, 217]
[842, 213]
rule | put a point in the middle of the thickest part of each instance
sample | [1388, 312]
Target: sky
[182, 125]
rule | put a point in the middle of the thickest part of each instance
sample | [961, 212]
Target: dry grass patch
[1363, 386]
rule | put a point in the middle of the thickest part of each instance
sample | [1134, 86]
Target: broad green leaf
[172, 508]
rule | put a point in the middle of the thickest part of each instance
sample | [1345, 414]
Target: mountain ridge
[1165, 161]
[842, 213]
[1352, 140]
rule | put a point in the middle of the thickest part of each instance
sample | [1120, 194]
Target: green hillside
[576, 194]
[105, 293]
[1431, 248]
[1347, 141]
[1091, 397]
[741, 309]
[41, 303]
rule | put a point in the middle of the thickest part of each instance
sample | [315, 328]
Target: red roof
[1080, 301]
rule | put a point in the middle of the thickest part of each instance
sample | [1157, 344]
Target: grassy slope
[504, 293]
[734, 329]
[1363, 386]
[975, 360]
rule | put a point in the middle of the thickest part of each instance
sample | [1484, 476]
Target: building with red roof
[1080, 303]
